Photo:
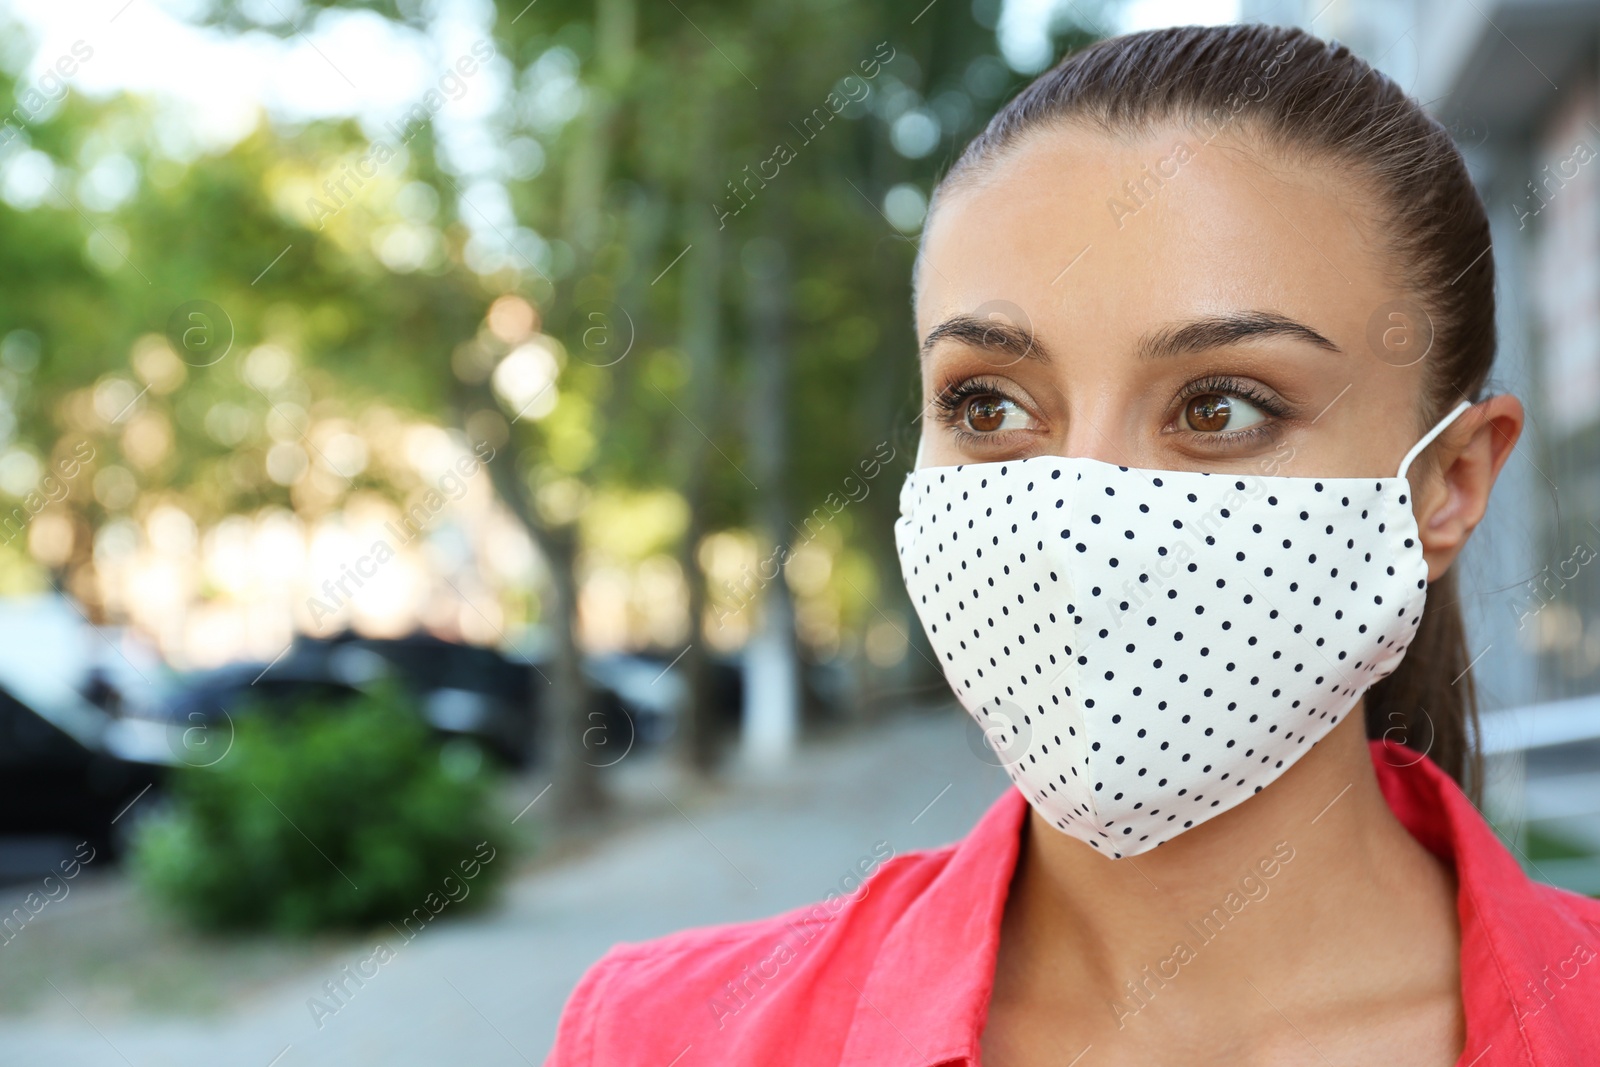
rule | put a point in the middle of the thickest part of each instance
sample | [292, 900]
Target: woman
[1176, 514]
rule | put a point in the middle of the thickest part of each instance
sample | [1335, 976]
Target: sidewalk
[488, 990]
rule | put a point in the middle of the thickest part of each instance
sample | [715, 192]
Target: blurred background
[448, 458]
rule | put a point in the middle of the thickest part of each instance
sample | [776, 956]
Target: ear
[1455, 491]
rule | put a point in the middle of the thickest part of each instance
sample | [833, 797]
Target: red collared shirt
[900, 975]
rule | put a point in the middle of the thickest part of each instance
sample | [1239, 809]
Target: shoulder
[1549, 962]
[669, 988]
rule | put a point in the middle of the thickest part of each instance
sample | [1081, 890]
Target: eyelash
[1223, 385]
[949, 400]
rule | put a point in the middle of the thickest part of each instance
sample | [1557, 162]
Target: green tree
[718, 206]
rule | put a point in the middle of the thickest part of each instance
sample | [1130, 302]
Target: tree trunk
[702, 315]
[571, 734]
[563, 701]
[771, 663]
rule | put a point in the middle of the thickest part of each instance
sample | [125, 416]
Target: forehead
[1088, 235]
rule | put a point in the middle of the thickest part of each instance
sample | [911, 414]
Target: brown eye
[987, 414]
[1208, 413]
[981, 412]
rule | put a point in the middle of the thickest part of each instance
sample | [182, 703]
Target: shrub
[344, 816]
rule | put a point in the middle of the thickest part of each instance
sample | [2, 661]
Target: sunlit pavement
[488, 990]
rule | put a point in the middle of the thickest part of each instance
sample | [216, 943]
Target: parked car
[68, 778]
[642, 694]
[465, 690]
[462, 690]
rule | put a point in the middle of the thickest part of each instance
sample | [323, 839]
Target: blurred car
[68, 777]
[637, 698]
[461, 690]
[465, 690]
[643, 694]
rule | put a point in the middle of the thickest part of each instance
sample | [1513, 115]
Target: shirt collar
[1522, 942]
[926, 998]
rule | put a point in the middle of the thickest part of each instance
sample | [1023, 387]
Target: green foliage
[1544, 845]
[331, 817]
[680, 257]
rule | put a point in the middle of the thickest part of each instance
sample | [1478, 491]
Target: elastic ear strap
[1427, 438]
[916, 464]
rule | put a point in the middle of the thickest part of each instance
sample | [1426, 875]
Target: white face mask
[1146, 649]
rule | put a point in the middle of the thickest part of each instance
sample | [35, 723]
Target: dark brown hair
[1312, 100]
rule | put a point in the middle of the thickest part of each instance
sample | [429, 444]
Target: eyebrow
[1198, 335]
[994, 335]
[1219, 331]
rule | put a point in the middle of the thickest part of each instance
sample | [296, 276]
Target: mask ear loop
[1427, 438]
[916, 464]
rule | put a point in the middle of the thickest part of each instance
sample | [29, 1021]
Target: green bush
[348, 816]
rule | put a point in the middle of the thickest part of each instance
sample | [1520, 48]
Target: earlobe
[1469, 460]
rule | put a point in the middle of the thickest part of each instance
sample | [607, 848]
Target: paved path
[488, 990]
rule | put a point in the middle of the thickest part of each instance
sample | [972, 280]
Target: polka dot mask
[1146, 649]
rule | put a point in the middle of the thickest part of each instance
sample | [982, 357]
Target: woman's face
[1164, 303]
